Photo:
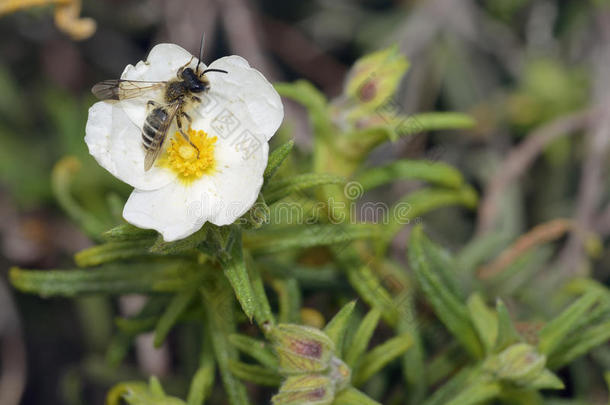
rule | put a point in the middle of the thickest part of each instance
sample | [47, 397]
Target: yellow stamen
[182, 158]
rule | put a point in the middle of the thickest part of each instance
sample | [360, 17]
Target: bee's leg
[184, 134]
[188, 117]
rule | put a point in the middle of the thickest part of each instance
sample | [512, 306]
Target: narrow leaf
[335, 329]
[362, 337]
[437, 173]
[112, 251]
[507, 333]
[449, 309]
[257, 349]
[351, 396]
[128, 232]
[283, 188]
[485, 321]
[579, 344]
[304, 236]
[556, 330]
[171, 314]
[276, 158]
[235, 270]
[255, 374]
[380, 356]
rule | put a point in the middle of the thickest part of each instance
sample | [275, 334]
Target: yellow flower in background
[67, 15]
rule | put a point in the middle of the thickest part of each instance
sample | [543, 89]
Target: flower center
[182, 157]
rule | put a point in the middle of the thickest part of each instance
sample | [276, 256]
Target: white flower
[231, 128]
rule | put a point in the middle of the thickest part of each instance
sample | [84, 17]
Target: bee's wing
[156, 146]
[119, 89]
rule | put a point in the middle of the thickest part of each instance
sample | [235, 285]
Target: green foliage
[422, 333]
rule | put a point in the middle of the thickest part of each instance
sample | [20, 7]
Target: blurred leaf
[255, 374]
[335, 329]
[170, 316]
[257, 349]
[380, 356]
[485, 321]
[276, 158]
[433, 172]
[447, 306]
[557, 329]
[109, 279]
[273, 240]
[362, 337]
[283, 188]
[507, 334]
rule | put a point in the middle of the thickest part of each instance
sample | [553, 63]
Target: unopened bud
[305, 389]
[374, 79]
[301, 348]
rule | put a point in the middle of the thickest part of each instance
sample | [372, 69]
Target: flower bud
[301, 349]
[374, 79]
[519, 363]
[308, 389]
[340, 373]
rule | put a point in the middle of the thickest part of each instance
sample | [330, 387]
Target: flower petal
[115, 142]
[175, 211]
[237, 180]
[241, 100]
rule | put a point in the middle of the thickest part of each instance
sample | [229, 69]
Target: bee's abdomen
[153, 124]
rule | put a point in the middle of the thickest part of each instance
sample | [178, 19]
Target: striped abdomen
[155, 126]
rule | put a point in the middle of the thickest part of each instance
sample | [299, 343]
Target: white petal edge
[116, 144]
[246, 93]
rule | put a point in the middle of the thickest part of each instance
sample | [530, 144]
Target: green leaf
[255, 374]
[220, 324]
[306, 94]
[171, 314]
[289, 299]
[362, 337]
[579, 344]
[276, 158]
[507, 334]
[380, 356]
[546, 380]
[262, 309]
[112, 251]
[335, 329]
[366, 283]
[256, 349]
[234, 268]
[437, 173]
[423, 201]
[62, 178]
[111, 279]
[477, 393]
[556, 330]
[485, 321]
[276, 239]
[351, 396]
[283, 188]
[447, 306]
[203, 380]
[128, 232]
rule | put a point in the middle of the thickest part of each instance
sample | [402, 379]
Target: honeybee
[177, 93]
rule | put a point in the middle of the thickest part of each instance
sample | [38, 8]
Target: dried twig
[522, 157]
[538, 235]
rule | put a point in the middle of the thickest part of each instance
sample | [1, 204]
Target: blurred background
[514, 65]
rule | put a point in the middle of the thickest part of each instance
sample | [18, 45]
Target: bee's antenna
[201, 51]
[214, 70]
